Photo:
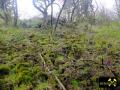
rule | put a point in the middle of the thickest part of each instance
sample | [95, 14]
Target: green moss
[75, 83]
[21, 66]
[24, 78]
[42, 86]
[22, 87]
[6, 85]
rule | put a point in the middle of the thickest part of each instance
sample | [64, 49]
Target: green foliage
[6, 85]
[24, 77]
[42, 86]
[75, 83]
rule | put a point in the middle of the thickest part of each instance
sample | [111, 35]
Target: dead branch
[57, 79]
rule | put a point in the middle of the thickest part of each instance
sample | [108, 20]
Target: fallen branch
[57, 79]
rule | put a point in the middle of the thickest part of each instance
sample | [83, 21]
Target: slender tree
[15, 8]
[51, 15]
[118, 7]
[60, 14]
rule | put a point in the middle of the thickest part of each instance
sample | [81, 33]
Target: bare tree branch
[37, 7]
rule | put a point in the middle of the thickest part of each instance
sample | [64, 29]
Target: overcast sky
[27, 10]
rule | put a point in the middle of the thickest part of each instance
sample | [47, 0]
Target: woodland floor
[35, 60]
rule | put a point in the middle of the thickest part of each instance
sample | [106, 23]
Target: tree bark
[51, 15]
[15, 12]
[45, 14]
[59, 15]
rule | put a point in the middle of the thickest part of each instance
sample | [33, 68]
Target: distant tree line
[71, 11]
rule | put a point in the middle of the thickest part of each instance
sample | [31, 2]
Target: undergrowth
[75, 58]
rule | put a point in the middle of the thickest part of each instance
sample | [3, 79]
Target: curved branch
[57, 5]
[37, 7]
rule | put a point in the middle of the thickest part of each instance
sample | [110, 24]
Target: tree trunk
[72, 14]
[45, 16]
[59, 15]
[51, 15]
[15, 12]
[6, 19]
[5, 11]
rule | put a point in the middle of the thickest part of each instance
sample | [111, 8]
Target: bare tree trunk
[45, 15]
[6, 19]
[59, 15]
[51, 15]
[6, 15]
[72, 13]
[15, 12]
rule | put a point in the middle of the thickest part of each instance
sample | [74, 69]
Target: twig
[57, 79]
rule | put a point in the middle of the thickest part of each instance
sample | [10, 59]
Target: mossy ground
[73, 56]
